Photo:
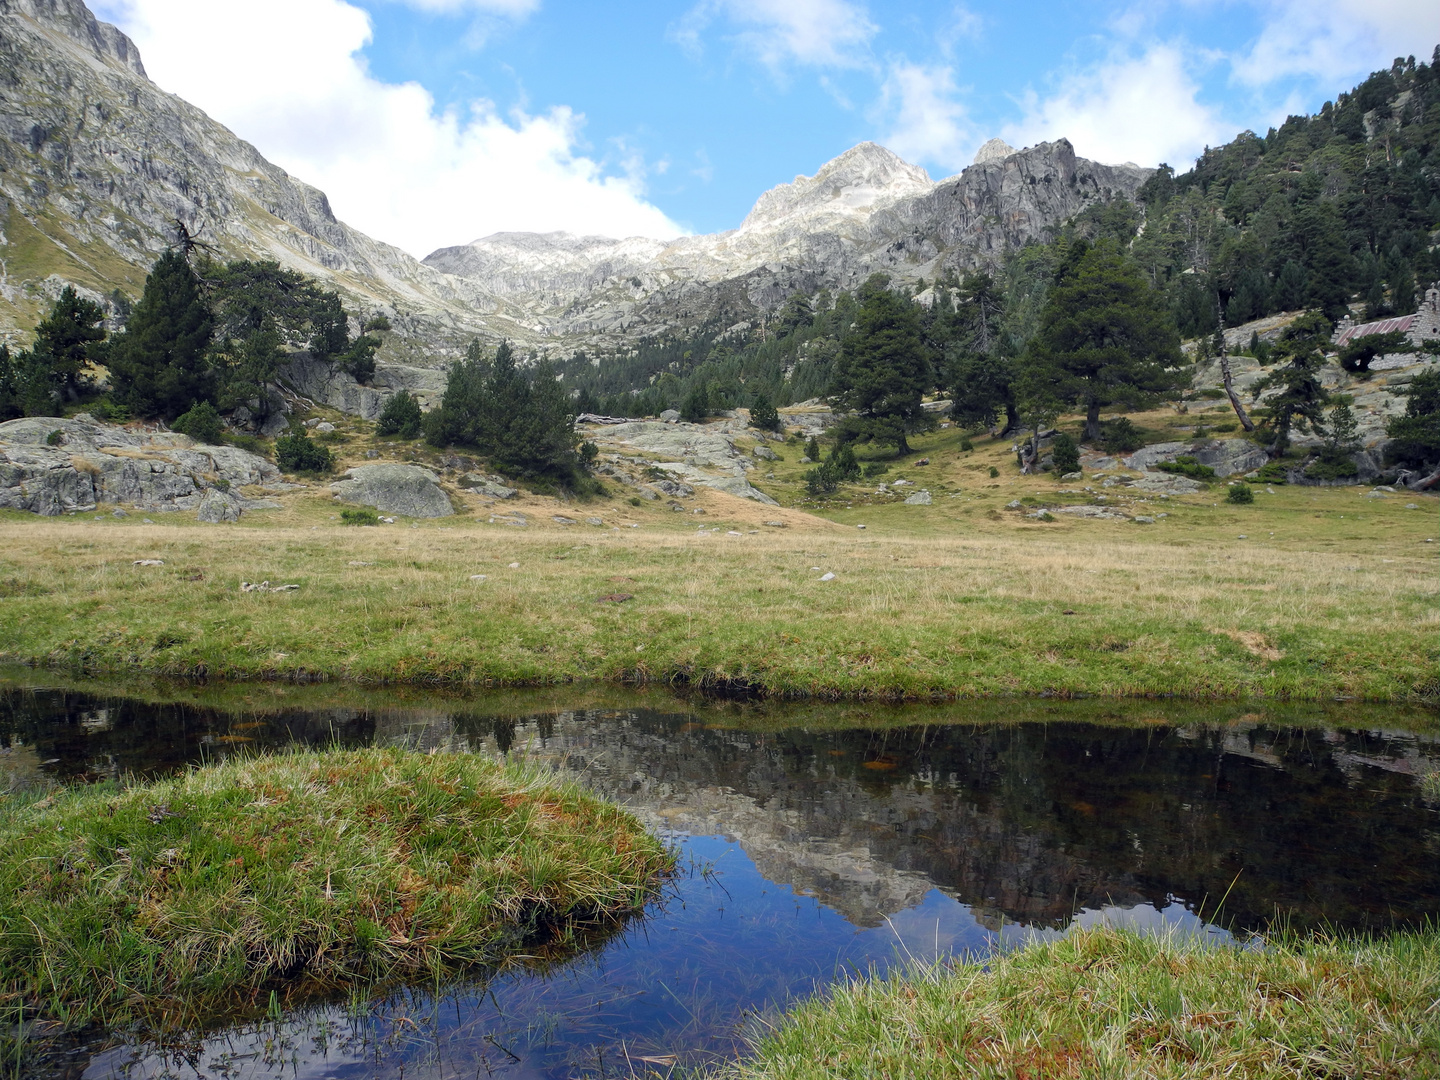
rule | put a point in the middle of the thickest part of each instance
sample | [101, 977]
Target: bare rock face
[218, 507]
[51, 466]
[395, 489]
[99, 162]
[863, 212]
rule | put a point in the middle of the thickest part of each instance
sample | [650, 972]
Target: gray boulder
[1228, 457]
[93, 463]
[920, 498]
[395, 489]
[485, 486]
[218, 507]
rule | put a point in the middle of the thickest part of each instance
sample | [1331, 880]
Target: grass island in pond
[370, 864]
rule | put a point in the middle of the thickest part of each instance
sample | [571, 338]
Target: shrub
[1120, 436]
[1273, 472]
[363, 516]
[108, 410]
[994, 472]
[1185, 465]
[966, 446]
[635, 500]
[1224, 428]
[252, 443]
[843, 458]
[55, 438]
[812, 449]
[874, 469]
[764, 415]
[401, 416]
[201, 423]
[1332, 467]
[1066, 455]
[822, 479]
[696, 406]
[1240, 493]
[296, 453]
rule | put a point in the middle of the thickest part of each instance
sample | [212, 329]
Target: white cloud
[816, 33]
[1143, 109]
[926, 122]
[285, 75]
[1333, 41]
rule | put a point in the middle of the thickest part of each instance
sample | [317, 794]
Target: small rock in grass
[514, 566]
[147, 521]
[732, 532]
[1242, 536]
[920, 498]
[859, 526]
[593, 521]
[827, 576]
[561, 519]
[774, 524]
[478, 577]
[1411, 506]
[118, 513]
[1142, 519]
[1013, 504]
[148, 562]
[358, 562]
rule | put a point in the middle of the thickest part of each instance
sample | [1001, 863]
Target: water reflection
[813, 853]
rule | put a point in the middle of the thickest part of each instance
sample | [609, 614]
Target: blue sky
[432, 122]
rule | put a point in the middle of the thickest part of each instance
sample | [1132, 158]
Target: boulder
[1228, 457]
[395, 489]
[485, 486]
[218, 507]
[93, 463]
[920, 498]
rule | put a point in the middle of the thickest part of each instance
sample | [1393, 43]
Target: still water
[811, 850]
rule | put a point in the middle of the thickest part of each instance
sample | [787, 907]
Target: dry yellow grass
[1083, 607]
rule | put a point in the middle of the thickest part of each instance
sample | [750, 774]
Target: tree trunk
[1245, 421]
[902, 448]
[1092, 421]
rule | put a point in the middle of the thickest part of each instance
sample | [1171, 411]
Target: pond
[815, 844]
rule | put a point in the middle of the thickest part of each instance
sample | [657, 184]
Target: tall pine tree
[160, 365]
[883, 370]
[1105, 337]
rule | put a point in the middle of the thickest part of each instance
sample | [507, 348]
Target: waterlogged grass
[196, 892]
[1105, 1003]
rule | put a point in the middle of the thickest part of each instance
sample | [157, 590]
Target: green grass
[193, 893]
[1105, 1004]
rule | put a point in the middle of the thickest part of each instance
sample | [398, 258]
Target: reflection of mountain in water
[1031, 823]
[1025, 823]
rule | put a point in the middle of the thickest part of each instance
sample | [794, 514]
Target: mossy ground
[1309, 593]
[196, 892]
[1105, 1003]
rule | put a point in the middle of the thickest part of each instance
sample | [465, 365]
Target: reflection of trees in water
[1032, 822]
[1025, 822]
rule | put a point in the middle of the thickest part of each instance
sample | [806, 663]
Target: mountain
[865, 211]
[97, 163]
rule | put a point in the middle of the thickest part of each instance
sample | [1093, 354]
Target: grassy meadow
[1104, 1003]
[1309, 593]
[198, 891]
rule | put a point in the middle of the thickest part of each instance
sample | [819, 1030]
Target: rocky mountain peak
[73, 19]
[860, 180]
[993, 150]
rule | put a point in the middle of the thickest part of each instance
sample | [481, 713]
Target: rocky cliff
[863, 212]
[97, 163]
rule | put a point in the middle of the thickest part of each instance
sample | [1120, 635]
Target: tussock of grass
[201, 889]
[1105, 1003]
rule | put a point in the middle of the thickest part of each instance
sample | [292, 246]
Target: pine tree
[1105, 338]
[159, 366]
[883, 370]
[1300, 401]
[764, 415]
[67, 339]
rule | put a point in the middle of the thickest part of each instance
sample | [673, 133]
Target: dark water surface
[811, 851]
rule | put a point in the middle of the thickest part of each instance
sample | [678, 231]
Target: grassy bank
[193, 892]
[1109, 1004]
[1092, 607]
